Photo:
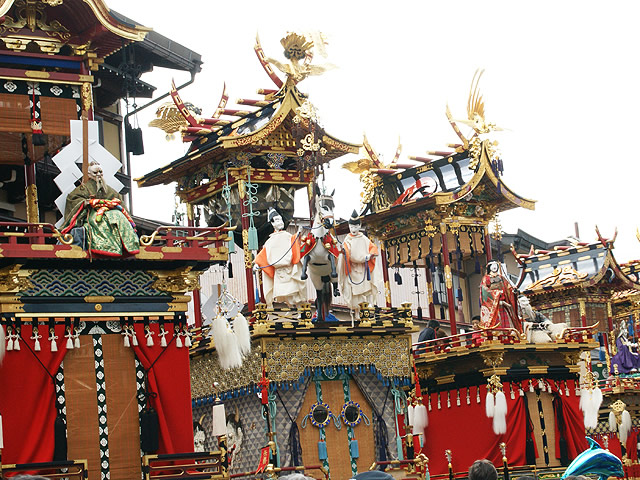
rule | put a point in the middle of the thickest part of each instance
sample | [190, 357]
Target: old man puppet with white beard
[360, 278]
[97, 208]
[279, 261]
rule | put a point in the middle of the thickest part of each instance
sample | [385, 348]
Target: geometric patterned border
[61, 399]
[101, 393]
[141, 392]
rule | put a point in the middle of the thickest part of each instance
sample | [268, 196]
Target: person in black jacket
[429, 333]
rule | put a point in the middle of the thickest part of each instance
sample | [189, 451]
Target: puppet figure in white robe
[360, 277]
[279, 261]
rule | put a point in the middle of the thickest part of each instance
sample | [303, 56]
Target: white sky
[562, 77]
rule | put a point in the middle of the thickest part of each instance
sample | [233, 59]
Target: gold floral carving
[558, 278]
[494, 359]
[287, 359]
[448, 278]
[181, 280]
[86, 97]
[12, 279]
[206, 369]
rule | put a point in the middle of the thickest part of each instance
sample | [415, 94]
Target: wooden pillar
[385, 274]
[583, 312]
[31, 192]
[248, 256]
[487, 244]
[197, 302]
[610, 317]
[448, 278]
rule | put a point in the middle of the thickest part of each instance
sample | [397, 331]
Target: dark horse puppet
[319, 251]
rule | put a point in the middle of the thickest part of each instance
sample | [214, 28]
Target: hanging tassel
[149, 335]
[513, 395]
[242, 333]
[478, 394]
[468, 396]
[500, 414]
[459, 294]
[125, 334]
[134, 339]
[448, 399]
[76, 340]
[52, 339]
[9, 339]
[566, 389]
[253, 238]
[625, 427]
[419, 313]
[16, 341]
[410, 414]
[477, 266]
[69, 337]
[226, 344]
[439, 404]
[397, 277]
[613, 425]
[458, 398]
[521, 392]
[490, 404]
[177, 335]
[420, 419]
[429, 397]
[163, 334]
[187, 336]
[230, 267]
[231, 245]
[36, 337]
[531, 390]
[436, 299]
[590, 401]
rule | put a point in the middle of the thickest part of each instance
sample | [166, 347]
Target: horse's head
[324, 207]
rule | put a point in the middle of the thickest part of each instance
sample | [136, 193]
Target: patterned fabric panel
[80, 283]
[380, 395]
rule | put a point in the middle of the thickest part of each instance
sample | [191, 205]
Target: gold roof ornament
[299, 51]
[476, 120]
[169, 119]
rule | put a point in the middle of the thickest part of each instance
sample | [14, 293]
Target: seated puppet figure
[625, 358]
[359, 276]
[95, 210]
[279, 261]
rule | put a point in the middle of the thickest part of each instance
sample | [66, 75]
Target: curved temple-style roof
[93, 19]
[478, 193]
[579, 266]
[268, 129]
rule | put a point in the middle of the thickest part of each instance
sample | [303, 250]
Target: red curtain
[27, 398]
[574, 433]
[170, 378]
[614, 442]
[632, 445]
[468, 433]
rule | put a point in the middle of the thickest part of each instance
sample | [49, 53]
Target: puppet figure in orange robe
[279, 261]
[360, 278]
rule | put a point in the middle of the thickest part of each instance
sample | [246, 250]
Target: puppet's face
[278, 223]
[199, 440]
[354, 228]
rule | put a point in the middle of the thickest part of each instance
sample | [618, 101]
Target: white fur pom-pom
[243, 335]
[490, 405]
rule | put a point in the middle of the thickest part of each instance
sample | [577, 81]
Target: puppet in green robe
[109, 230]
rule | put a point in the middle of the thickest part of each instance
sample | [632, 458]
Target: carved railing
[301, 469]
[491, 336]
[184, 466]
[43, 240]
[72, 469]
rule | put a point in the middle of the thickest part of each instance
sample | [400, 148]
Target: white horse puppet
[319, 250]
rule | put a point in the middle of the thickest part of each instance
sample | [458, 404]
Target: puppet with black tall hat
[360, 277]
[279, 261]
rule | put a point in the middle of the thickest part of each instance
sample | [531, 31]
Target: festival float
[104, 376]
[94, 341]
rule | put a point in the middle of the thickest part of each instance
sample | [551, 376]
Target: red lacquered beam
[253, 103]
[215, 121]
[384, 171]
[236, 113]
[454, 145]
[203, 130]
[266, 91]
[403, 165]
[440, 153]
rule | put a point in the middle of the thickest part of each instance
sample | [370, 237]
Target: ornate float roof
[447, 188]
[581, 265]
[258, 133]
[75, 22]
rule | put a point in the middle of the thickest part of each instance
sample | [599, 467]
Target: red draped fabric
[27, 398]
[468, 433]
[614, 442]
[574, 432]
[632, 445]
[170, 378]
